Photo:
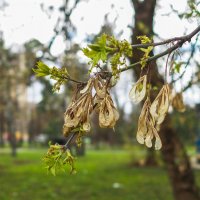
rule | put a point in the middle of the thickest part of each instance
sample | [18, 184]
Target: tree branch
[73, 80]
[158, 43]
[182, 40]
[66, 145]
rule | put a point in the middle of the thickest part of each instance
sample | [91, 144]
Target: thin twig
[188, 62]
[157, 43]
[73, 80]
[69, 140]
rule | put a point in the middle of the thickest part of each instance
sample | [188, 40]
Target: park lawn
[102, 175]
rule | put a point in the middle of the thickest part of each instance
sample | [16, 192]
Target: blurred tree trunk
[10, 118]
[173, 152]
[1, 126]
[13, 142]
[80, 151]
[150, 158]
[11, 128]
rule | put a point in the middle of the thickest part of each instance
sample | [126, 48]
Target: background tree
[180, 173]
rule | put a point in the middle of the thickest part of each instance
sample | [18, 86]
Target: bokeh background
[110, 164]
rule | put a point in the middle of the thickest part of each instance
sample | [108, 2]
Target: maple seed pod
[71, 122]
[66, 130]
[77, 114]
[138, 91]
[100, 88]
[160, 105]
[108, 114]
[177, 102]
[86, 126]
[142, 128]
[87, 87]
[146, 130]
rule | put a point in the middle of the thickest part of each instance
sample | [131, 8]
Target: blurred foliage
[11, 83]
[50, 111]
[187, 124]
[191, 12]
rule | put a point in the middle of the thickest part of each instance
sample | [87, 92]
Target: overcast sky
[23, 20]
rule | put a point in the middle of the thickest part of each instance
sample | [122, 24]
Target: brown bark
[178, 164]
[173, 152]
[1, 127]
[80, 151]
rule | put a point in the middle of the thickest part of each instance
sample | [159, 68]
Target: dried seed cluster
[152, 115]
[146, 127]
[94, 96]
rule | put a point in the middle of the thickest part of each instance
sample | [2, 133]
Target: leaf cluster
[59, 74]
[124, 49]
[145, 40]
[108, 47]
[41, 69]
[97, 52]
[56, 159]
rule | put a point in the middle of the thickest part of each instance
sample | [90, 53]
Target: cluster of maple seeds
[94, 96]
[153, 114]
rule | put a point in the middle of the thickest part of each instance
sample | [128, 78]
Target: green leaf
[97, 52]
[102, 40]
[42, 69]
[144, 39]
[144, 50]
[53, 170]
[177, 66]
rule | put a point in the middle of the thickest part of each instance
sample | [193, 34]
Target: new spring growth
[60, 75]
[109, 51]
[56, 159]
[144, 40]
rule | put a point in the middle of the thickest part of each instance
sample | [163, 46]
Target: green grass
[24, 178]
